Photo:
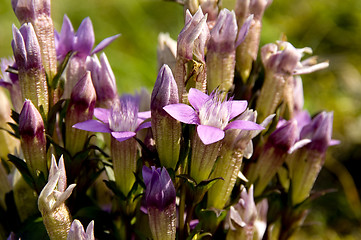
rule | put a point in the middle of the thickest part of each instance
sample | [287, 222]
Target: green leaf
[20, 164]
[112, 186]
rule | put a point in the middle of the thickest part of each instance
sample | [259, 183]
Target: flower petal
[103, 44]
[245, 125]
[197, 98]
[237, 107]
[122, 136]
[102, 114]
[92, 126]
[144, 125]
[182, 113]
[209, 134]
[144, 115]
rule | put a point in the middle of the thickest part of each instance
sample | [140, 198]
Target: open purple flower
[123, 120]
[211, 115]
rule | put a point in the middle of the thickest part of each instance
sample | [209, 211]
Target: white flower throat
[123, 116]
[214, 112]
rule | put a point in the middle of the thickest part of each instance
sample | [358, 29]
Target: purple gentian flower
[211, 115]
[123, 120]
[160, 196]
[81, 41]
[11, 82]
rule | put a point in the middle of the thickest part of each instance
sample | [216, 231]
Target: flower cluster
[198, 157]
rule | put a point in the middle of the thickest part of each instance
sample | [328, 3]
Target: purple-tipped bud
[33, 141]
[221, 52]
[308, 156]
[51, 202]
[166, 130]
[38, 14]
[84, 38]
[77, 232]
[103, 80]
[273, 156]
[247, 51]
[160, 198]
[80, 109]
[190, 67]
[32, 78]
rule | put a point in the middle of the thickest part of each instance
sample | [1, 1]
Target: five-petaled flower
[123, 120]
[211, 115]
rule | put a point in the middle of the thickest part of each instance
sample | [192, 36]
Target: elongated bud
[236, 145]
[32, 76]
[166, 130]
[33, 141]
[80, 109]
[103, 80]
[160, 198]
[273, 156]
[190, 69]
[247, 51]
[38, 13]
[51, 202]
[306, 161]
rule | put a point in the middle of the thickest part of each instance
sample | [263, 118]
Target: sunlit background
[331, 28]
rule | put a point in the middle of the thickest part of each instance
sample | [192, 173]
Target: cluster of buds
[171, 163]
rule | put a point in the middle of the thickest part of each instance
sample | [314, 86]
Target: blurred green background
[331, 28]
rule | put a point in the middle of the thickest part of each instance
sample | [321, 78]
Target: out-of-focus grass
[331, 28]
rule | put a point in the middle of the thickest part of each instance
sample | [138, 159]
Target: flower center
[123, 115]
[214, 112]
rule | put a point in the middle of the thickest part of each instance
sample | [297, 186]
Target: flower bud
[80, 109]
[103, 80]
[306, 161]
[247, 51]
[274, 154]
[77, 232]
[160, 198]
[166, 130]
[190, 69]
[33, 140]
[31, 75]
[221, 52]
[51, 202]
[38, 14]
[247, 220]
[236, 145]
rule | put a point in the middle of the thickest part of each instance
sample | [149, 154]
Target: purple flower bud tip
[165, 90]
[30, 121]
[83, 93]
[160, 191]
[285, 136]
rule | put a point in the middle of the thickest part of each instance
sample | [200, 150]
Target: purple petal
[144, 115]
[102, 114]
[182, 113]
[66, 37]
[143, 125]
[103, 44]
[244, 30]
[122, 136]
[92, 126]
[197, 98]
[237, 107]
[84, 38]
[245, 125]
[209, 134]
[147, 174]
